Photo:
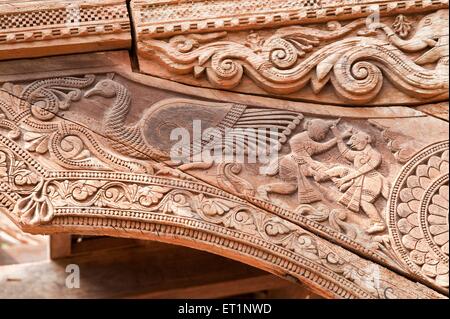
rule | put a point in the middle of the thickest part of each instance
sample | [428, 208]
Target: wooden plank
[89, 244]
[153, 270]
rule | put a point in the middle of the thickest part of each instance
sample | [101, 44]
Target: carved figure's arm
[372, 164]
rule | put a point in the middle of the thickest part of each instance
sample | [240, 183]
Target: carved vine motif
[356, 66]
[22, 189]
[419, 215]
[34, 117]
[59, 198]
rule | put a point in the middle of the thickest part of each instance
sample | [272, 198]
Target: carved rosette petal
[419, 216]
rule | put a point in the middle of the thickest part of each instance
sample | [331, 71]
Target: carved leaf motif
[58, 192]
[213, 207]
[276, 226]
[177, 203]
[113, 196]
[150, 195]
[35, 208]
[37, 142]
[84, 189]
[25, 177]
[241, 219]
[402, 26]
[305, 245]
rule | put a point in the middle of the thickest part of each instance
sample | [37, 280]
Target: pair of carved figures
[360, 184]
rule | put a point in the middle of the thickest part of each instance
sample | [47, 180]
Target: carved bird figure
[126, 139]
[150, 137]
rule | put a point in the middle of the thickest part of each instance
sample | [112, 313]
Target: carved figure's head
[359, 140]
[106, 88]
[318, 129]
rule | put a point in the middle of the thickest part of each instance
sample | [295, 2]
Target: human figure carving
[295, 167]
[361, 184]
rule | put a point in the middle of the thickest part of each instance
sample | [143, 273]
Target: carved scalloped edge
[272, 14]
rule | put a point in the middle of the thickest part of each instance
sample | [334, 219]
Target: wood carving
[87, 186]
[153, 19]
[333, 184]
[418, 221]
[43, 28]
[356, 59]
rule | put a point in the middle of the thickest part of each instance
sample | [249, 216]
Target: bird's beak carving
[92, 92]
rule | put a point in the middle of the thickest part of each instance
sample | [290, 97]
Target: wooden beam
[60, 246]
[153, 270]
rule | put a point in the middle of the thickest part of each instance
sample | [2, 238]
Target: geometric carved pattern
[419, 218]
[72, 23]
[166, 18]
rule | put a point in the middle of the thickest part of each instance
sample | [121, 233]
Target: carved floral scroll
[358, 59]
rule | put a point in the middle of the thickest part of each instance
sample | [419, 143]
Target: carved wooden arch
[86, 150]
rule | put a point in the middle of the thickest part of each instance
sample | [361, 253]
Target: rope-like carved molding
[30, 27]
[167, 18]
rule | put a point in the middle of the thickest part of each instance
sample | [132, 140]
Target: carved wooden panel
[346, 54]
[41, 28]
[81, 153]
[331, 169]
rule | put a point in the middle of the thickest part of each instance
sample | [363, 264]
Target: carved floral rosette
[419, 214]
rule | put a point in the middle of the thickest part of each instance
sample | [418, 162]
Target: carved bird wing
[247, 130]
[191, 126]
